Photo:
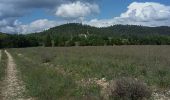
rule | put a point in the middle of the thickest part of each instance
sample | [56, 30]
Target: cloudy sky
[27, 16]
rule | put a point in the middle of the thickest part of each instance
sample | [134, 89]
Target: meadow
[76, 72]
[3, 63]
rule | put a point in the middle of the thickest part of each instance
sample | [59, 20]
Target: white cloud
[37, 26]
[100, 23]
[19, 8]
[3, 22]
[76, 10]
[147, 14]
[8, 29]
[148, 11]
[11, 10]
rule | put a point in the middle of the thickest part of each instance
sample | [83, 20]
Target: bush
[46, 57]
[130, 89]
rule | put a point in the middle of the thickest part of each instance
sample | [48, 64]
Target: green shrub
[46, 57]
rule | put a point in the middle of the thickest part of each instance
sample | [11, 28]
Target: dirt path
[0, 55]
[13, 87]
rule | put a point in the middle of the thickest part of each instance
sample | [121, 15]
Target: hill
[75, 29]
[84, 35]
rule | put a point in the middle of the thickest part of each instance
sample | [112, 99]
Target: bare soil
[0, 55]
[13, 88]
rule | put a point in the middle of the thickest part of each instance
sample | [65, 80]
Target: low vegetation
[78, 72]
[3, 64]
[130, 89]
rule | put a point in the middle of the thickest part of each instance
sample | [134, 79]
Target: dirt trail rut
[13, 87]
[0, 55]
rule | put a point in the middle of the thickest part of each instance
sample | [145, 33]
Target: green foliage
[83, 35]
[17, 41]
[48, 41]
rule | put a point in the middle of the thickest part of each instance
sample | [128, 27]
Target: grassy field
[70, 72]
[3, 63]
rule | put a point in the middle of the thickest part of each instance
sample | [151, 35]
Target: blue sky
[26, 16]
[108, 9]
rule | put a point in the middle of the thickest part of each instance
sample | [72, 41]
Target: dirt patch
[24, 57]
[0, 55]
[108, 86]
[161, 95]
[103, 83]
[13, 87]
[105, 88]
[20, 55]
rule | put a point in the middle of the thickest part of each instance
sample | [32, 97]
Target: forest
[76, 34]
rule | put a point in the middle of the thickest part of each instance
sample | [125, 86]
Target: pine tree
[48, 40]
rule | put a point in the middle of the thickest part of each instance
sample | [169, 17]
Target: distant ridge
[76, 28]
[75, 34]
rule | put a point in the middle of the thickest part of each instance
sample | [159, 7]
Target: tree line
[84, 35]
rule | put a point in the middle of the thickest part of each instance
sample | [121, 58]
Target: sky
[28, 16]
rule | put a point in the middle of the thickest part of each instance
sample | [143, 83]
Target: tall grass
[3, 64]
[64, 67]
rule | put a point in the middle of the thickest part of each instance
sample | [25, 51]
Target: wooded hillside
[83, 35]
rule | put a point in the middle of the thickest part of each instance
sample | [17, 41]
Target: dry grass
[147, 63]
[3, 64]
[130, 89]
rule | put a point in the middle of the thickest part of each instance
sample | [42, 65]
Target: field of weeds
[3, 63]
[88, 72]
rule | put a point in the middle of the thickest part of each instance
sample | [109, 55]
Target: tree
[48, 40]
